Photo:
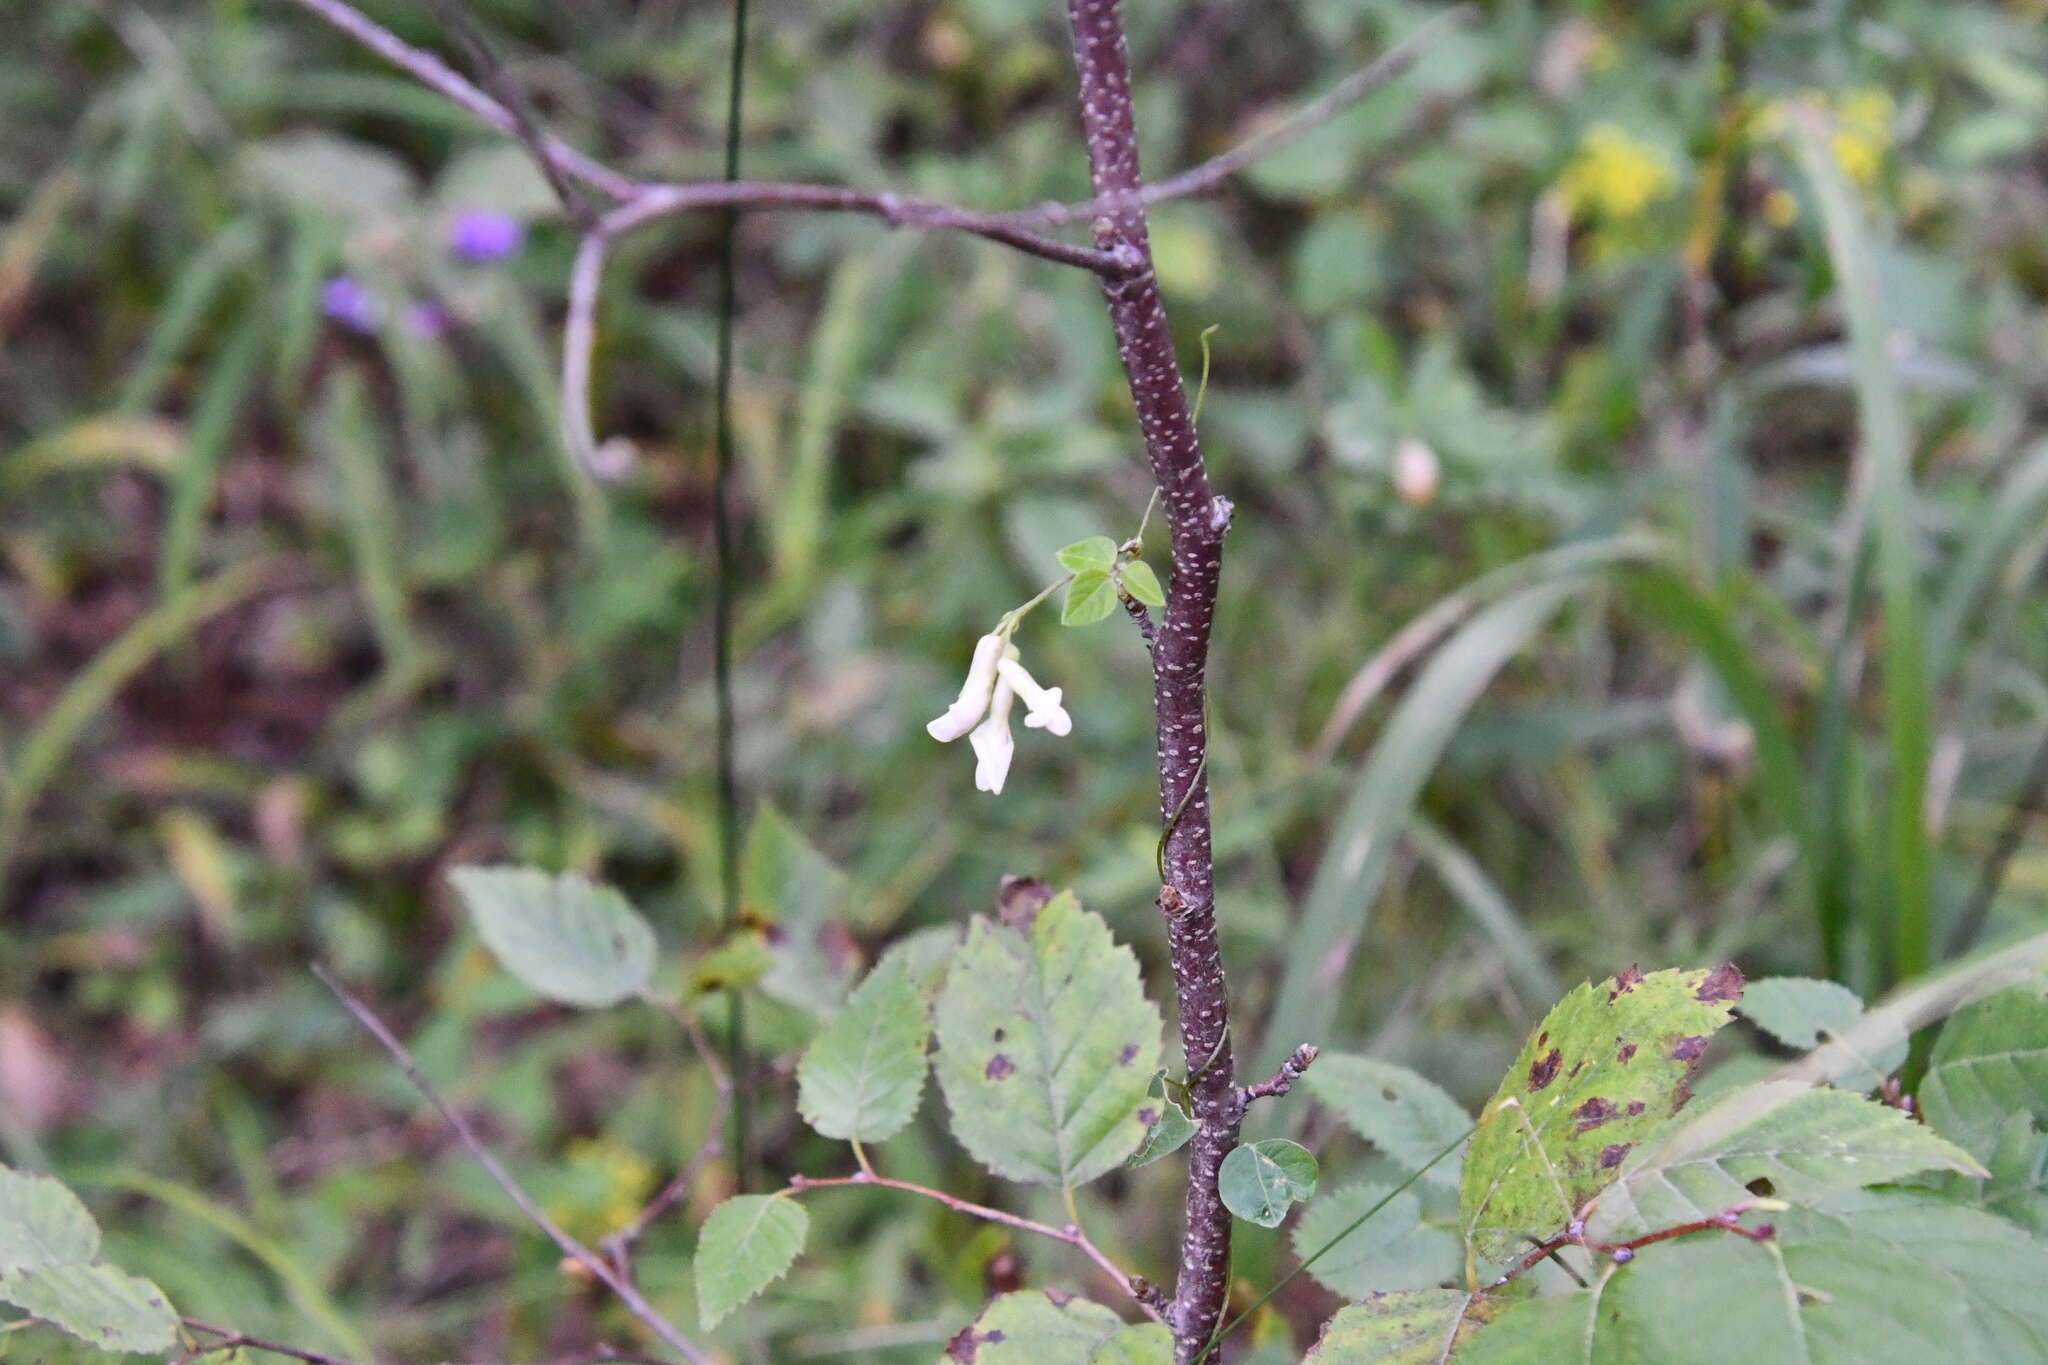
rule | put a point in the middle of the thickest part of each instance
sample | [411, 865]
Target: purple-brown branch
[1197, 520]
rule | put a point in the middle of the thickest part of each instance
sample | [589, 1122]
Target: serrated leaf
[1406, 1115]
[104, 1307]
[1419, 1327]
[567, 937]
[43, 1223]
[1096, 553]
[1605, 1068]
[862, 1077]
[749, 1242]
[1870, 1278]
[1393, 1249]
[1989, 1063]
[1046, 1046]
[1804, 1143]
[1141, 583]
[1168, 1126]
[49, 1269]
[1033, 1327]
[799, 897]
[1090, 597]
[1802, 1013]
[1260, 1181]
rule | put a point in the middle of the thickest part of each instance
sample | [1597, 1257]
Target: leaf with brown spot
[1599, 1073]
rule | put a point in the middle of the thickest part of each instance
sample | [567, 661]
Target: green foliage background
[294, 620]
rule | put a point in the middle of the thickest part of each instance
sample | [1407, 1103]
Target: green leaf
[1140, 582]
[746, 1245]
[50, 1270]
[567, 937]
[43, 1223]
[1803, 1143]
[1606, 1067]
[734, 965]
[1419, 1327]
[1801, 1013]
[863, 1076]
[1036, 1328]
[1989, 1063]
[1392, 1249]
[1046, 1046]
[1168, 1126]
[1142, 1343]
[1867, 1279]
[1090, 598]
[1096, 553]
[1408, 1116]
[1260, 1181]
[800, 895]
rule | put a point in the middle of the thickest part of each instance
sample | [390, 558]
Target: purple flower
[345, 301]
[480, 237]
[427, 319]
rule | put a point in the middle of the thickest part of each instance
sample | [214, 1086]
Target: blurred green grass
[293, 617]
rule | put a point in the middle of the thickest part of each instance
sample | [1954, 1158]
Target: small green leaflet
[1392, 1249]
[1169, 1125]
[863, 1076]
[50, 1269]
[1046, 1046]
[1142, 584]
[1090, 598]
[1035, 1328]
[1419, 1327]
[1802, 1013]
[746, 1244]
[1987, 1088]
[1097, 553]
[1606, 1068]
[1408, 1116]
[567, 937]
[1260, 1181]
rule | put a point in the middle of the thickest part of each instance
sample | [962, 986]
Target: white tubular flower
[1042, 709]
[974, 696]
[993, 745]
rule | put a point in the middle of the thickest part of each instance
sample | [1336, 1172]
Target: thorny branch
[573, 1249]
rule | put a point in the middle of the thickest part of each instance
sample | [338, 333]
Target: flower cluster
[1615, 175]
[1862, 130]
[995, 682]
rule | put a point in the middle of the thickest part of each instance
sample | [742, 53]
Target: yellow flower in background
[602, 1186]
[1862, 135]
[1615, 175]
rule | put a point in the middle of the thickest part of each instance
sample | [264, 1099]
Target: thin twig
[619, 1246]
[1071, 1234]
[431, 71]
[1283, 1080]
[575, 1250]
[231, 1340]
[1376, 75]
[512, 96]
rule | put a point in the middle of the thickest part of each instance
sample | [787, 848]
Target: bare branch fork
[638, 203]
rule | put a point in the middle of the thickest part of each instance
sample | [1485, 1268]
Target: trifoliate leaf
[862, 1077]
[567, 937]
[1096, 553]
[1046, 1046]
[746, 1244]
[1090, 597]
[1140, 582]
[1260, 1181]
[1606, 1067]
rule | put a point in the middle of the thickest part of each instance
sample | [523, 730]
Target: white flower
[974, 693]
[993, 746]
[1042, 709]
